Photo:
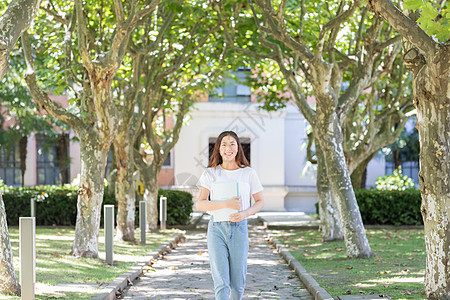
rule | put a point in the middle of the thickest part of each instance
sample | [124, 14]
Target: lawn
[55, 265]
[397, 270]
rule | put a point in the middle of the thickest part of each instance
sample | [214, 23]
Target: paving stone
[185, 273]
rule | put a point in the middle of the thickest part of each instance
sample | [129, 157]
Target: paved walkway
[184, 273]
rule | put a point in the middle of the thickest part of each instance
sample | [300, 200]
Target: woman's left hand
[238, 217]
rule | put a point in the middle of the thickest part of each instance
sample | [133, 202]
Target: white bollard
[27, 249]
[109, 233]
[142, 220]
[33, 207]
[163, 212]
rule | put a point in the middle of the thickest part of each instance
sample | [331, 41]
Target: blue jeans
[228, 252]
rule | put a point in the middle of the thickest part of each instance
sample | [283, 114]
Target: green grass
[397, 270]
[55, 265]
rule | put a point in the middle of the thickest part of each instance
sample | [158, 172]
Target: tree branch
[282, 35]
[183, 57]
[118, 8]
[308, 149]
[333, 24]
[82, 41]
[405, 26]
[230, 42]
[56, 16]
[41, 98]
[385, 44]
[16, 19]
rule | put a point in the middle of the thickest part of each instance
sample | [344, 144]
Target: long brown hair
[216, 159]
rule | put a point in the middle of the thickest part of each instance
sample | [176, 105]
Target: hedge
[56, 205]
[381, 207]
[390, 207]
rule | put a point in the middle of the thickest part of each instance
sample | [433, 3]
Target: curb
[318, 292]
[121, 282]
[267, 225]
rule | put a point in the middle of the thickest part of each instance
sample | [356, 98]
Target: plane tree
[83, 50]
[425, 28]
[306, 40]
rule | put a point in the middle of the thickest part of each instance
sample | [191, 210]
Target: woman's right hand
[234, 203]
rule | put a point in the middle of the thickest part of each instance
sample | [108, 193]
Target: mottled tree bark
[330, 223]
[13, 22]
[429, 63]
[94, 154]
[358, 177]
[330, 132]
[150, 181]
[8, 279]
[125, 192]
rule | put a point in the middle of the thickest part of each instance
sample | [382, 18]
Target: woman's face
[228, 148]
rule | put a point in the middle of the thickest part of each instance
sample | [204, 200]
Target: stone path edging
[122, 281]
[311, 284]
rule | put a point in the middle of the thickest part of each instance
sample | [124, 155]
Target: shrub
[394, 207]
[54, 204]
[395, 181]
[58, 205]
[179, 206]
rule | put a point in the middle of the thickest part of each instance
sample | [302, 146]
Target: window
[168, 162]
[10, 166]
[233, 90]
[405, 153]
[48, 171]
[245, 143]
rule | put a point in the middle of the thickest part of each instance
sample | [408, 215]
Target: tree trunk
[359, 175]
[8, 279]
[94, 155]
[432, 100]
[330, 225]
[13, 22]
[23, 157]
[150, 181]
[329, 135]
[125, 193]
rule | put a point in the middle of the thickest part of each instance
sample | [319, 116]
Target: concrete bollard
[27, 249]
[33, 207]
[163, 212]
[143, 220]
[109, 233]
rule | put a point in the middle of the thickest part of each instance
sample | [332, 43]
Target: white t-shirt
[247, 179]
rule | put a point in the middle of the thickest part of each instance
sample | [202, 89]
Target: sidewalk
[184, 273]
[284, 220]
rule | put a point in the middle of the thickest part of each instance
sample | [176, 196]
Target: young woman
[228, 240]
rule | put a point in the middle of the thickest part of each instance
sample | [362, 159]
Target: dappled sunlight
[256, 261]
[61, 291]
[53, 237]
[55, 265]
[394, 280]
[397, 268]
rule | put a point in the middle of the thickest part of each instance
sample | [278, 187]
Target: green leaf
[412, 4]
[429, 11]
